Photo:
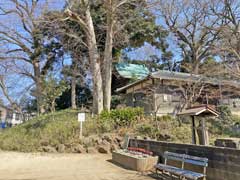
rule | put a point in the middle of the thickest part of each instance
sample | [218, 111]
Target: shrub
[122, 117]
[146, 129]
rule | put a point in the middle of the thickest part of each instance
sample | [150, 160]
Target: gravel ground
[22, 166]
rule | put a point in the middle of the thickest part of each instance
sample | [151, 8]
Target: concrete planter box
[134, 162]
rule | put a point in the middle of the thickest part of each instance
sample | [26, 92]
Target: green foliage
[122, 117]
[52, 90]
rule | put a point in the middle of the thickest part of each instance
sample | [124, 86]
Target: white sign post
[81, 119]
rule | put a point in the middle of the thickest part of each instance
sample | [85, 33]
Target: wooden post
[193, 131]
[205, 140]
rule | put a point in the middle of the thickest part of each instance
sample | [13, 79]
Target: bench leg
[163, 175]
[158, 175]
[182, 178]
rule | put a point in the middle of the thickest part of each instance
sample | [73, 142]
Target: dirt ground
[21, 166]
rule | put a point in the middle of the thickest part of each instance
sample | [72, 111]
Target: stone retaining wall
[224, 163]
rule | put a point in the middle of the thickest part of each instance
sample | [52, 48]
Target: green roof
[131, 71]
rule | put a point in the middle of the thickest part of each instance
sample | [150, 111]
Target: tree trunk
[73, 87]
[73, 92]
[196, 68]
[195, 62]
[37, 75]
[53, 106]
[108, 60]
[95, 65]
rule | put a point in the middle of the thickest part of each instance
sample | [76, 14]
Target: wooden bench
[182, 173]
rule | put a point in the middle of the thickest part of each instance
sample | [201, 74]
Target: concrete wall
[224, 163]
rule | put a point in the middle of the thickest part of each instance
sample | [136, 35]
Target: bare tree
[23, 42]
[192, 24]
[228, 45]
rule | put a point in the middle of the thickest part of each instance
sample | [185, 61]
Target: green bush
[122, 117]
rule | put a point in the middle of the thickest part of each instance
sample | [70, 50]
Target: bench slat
[173, 156]
[195, 162]
[179, 171]
[186, 158]
[171, 169]
[192, 175]
[195, 158]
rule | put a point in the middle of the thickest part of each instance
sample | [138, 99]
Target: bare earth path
[21, 166]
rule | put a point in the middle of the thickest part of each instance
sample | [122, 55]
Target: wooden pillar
[193, 131]
[205, 139]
